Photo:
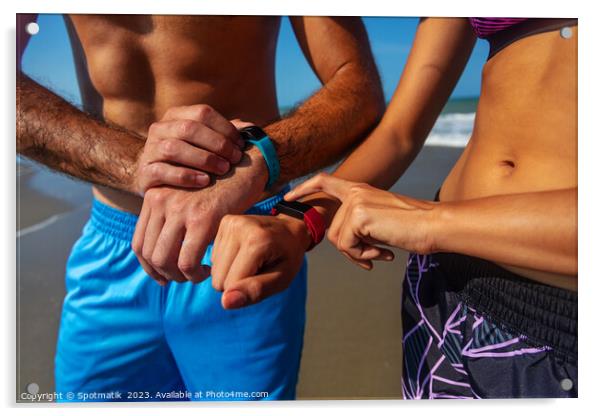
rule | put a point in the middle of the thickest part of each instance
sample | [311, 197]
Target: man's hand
[185, 146]
[255, 257]
[176, 225]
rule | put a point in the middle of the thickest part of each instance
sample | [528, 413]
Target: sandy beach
[353, 334]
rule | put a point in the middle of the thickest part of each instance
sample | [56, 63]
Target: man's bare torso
[132, 68]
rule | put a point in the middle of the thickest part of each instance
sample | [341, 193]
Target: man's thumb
[234, 299]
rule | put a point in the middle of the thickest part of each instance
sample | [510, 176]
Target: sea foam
[451, 130]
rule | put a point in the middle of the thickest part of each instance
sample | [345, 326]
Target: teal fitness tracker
[256, 136]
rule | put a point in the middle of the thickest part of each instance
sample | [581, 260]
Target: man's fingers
[170, 134]
[247, 262]
[227, 247]
[322, 182]
[138, 245]
[183, 153]
[208, 116]
[148, 269]
[217, 143]
[160, 173]
[198, 237]
[254, 289]
[151, 234]
[239, 124]
[138, 239]
[167, 247]
[234, 299]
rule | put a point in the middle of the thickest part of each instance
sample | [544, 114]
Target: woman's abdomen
[525, 133]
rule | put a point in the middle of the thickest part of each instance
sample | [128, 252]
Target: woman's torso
[525, 132]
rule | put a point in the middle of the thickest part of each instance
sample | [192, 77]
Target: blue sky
[48, 59]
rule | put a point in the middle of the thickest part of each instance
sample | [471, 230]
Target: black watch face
[252, 132]
[293, 208]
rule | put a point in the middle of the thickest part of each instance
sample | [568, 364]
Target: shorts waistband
[543, 314]
[121, 224]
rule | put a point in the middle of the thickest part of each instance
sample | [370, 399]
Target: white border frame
[590, 206]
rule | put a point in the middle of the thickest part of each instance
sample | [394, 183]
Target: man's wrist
[258, 168]
[325, 205]
[312, 219]
[263, 145]
[132, 178]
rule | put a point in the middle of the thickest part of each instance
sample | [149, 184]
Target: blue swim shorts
[125, 338]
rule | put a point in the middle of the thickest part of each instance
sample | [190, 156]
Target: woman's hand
[370, 217]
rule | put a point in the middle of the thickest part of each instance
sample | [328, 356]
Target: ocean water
[454, 126]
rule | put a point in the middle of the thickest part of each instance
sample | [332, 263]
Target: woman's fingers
[349, 238]
[364, 264]
[344, 232]
[370, 252]
[337, 223]
[322, 182]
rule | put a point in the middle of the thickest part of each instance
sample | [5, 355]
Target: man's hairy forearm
[317, 133]
[58, 135]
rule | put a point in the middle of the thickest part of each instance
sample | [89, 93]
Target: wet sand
[353, 335]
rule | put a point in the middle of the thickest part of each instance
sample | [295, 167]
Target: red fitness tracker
[310, 216]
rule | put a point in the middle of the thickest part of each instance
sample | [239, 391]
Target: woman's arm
[535, 230]
[439, 54]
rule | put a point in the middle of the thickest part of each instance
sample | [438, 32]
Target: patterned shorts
[475, 330]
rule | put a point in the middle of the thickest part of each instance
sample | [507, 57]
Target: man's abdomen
[141, 66]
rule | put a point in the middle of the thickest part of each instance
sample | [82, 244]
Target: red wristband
[310, 216]
[315, 224]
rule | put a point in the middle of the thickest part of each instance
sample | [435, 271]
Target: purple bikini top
[502, 31]
[487, 26]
